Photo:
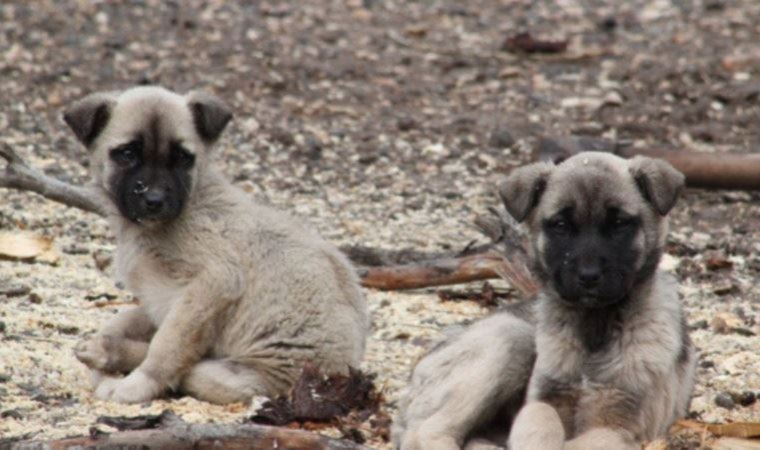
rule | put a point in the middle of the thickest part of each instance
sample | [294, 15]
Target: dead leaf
[718, 262]
[27, 246]
[320, 398]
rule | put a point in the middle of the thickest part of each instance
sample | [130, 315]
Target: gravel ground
[383, 124]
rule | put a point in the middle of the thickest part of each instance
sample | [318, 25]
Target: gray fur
[235, 297]
[628, 387]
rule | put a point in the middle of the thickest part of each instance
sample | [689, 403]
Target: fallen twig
[444, 271]
[170, 431]
[19, 175]
[487, 296]
[525, 43]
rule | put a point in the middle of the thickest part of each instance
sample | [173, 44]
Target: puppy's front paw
[137, 387]
[95, 352]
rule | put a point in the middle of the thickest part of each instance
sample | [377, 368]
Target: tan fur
[630, 390]
[234, 296]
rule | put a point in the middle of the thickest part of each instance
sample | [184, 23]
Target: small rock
[724, 400]
[11, 413]
[746, 398]
[724, 323]
[35, 298]
[706, 364]
[406, 124]
[2, 327]
[67, 329]
[75, 249]
[4, 378]
[15, 290]
[725, 288]
[102, 259]
[609, 23]
[613, 98]
[501, 138]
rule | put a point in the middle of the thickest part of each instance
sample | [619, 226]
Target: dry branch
[445, 271]
[174, 433]
[435, 272]
[19, 175]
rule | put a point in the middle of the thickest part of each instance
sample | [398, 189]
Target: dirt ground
[382, 123]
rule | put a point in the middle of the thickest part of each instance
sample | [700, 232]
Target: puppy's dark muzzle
[154, 201]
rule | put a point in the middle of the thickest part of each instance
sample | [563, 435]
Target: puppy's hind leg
[460, 385]
[223, 381]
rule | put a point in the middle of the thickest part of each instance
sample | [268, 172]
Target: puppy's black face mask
[150, 185]
[592, 264]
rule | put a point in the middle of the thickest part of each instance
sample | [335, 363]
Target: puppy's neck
[595, 328]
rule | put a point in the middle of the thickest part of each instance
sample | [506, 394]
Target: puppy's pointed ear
[88, 116]
[522, 189]
[210, 115]
[658, 181]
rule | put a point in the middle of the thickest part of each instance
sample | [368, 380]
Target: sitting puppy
[234, 296]
[602, 359]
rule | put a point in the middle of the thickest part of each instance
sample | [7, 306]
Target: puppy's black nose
[589, 276]
[154, 200]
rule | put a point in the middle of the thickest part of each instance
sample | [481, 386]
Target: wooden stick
[445, 271]
[176, 434]
[19, 175]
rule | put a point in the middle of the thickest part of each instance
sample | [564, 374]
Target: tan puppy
[234, 296]
[603, 352]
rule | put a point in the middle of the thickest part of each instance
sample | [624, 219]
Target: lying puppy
[602, 359]
[234, 296]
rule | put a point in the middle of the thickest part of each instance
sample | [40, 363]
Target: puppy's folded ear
[658, 181]
[210, 115]
[88, 116]
[523, 188]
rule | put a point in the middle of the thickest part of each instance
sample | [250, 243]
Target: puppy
[601, 359]
[234, 296]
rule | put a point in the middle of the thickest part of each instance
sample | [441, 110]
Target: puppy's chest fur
[636, 353]
[155, 278]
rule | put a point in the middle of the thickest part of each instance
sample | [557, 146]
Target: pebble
[724, 400]
[501, 138]
[746, 398]
[15, 290]
[102, 259]
[12, 414]
[35, 298]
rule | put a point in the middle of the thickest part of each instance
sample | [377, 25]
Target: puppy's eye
[127, 155]
[622, 222]
[618, 222]
[559, 224]
[181, 157]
